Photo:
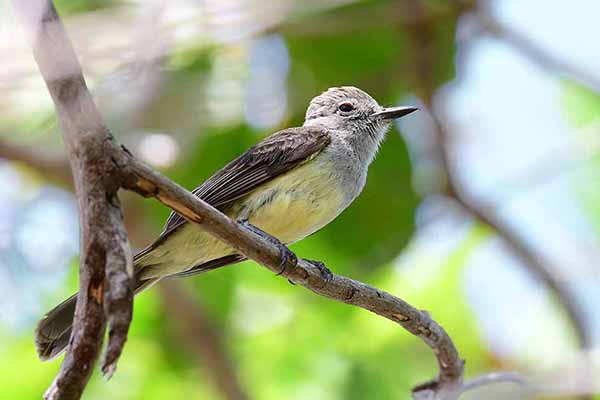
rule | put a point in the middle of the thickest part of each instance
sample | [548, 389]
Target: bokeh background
[482, 209]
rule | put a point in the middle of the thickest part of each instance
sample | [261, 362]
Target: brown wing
[266, 160]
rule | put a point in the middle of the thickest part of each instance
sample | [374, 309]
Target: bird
[286, 187]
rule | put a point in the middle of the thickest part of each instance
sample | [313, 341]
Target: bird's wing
[268, 159]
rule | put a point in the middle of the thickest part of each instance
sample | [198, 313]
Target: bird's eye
[346, 107]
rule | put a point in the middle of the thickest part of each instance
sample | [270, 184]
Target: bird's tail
[54, 330]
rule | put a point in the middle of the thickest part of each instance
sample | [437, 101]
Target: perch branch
[305, 273]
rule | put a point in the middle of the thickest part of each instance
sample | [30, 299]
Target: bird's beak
[394, 112]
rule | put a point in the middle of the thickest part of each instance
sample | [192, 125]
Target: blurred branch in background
[423, 63]
[484, 213]
[196, 333]
[518, 244]
[530, 49]
[55, 169]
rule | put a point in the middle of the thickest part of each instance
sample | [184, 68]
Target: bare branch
[194, 327]
[105, 267]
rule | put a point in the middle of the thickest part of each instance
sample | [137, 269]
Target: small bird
[289, 185]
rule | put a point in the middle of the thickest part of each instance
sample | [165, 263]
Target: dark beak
[394, 112]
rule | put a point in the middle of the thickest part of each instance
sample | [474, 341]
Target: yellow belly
[303, 201]
[289, 207]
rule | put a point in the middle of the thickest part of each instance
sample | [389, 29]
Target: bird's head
[352, 112]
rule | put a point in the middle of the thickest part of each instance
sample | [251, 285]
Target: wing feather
[266, 160]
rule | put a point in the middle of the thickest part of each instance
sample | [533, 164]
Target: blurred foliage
[70, 7]
[582, 105]
[583, 109]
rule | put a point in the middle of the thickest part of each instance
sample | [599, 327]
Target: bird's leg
[286, 254]
[325, 272]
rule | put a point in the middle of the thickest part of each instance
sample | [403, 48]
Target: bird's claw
[287, 256]
[326, 274]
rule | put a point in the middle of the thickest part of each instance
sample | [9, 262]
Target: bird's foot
[287, 256]
[326, 274]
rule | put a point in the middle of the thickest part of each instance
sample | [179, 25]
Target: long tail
[54, 330]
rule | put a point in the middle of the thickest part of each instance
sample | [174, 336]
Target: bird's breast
[297, 203]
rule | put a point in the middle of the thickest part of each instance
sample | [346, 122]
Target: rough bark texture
[105, 255]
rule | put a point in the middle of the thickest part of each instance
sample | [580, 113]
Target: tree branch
[105, 266]
[193, 325]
